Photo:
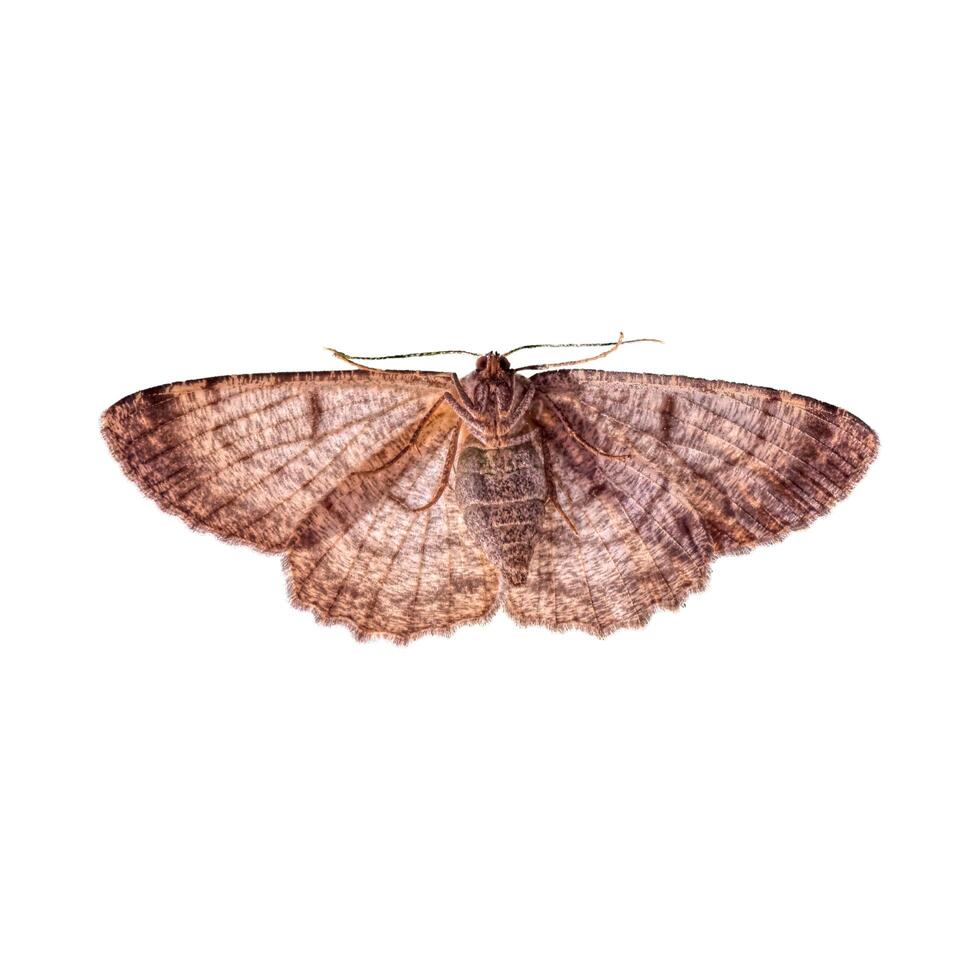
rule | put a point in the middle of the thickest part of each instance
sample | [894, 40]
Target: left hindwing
[386, 552]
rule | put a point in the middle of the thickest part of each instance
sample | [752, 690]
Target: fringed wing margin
[752, 464]
[246, 457]
[387, 553]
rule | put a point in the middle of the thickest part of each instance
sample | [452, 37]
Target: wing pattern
[275, 461]
[661, 474]
[653, 476]
[379, 555]
[755, 463]
[631, 551]
[246, 457]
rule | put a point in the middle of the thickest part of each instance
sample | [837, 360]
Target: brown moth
[411, 502]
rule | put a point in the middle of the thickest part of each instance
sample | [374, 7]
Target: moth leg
[515, 413]
[549, 477]
[513, 398]
[411, 444]
[443, 479]
[461, 396]
[576, 437]
[472, 420]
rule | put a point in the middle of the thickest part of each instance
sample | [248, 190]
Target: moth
[412, 502]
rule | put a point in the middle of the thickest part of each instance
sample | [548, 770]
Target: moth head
[491, 386]
[493, 365]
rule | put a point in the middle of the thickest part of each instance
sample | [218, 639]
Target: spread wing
[386, 553]
[752, 463]
[695, 469]
[246, 457]
[632, 548]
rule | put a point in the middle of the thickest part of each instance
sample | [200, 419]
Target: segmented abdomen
[503, 493]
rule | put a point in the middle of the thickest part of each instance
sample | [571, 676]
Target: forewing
[375, 557]
[752, 463]
[634, 546]
[246, 457]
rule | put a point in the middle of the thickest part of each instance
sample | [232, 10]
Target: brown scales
[407, 503]
[503, 493]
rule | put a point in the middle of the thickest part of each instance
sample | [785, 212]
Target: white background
[780, 780]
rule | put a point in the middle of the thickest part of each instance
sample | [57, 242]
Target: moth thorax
[502, 493]
[492, 394]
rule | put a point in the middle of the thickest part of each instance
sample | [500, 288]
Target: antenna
[354, 358]
[611, 344]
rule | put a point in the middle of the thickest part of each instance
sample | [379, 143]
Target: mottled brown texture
[398, 498]
[363, 557]
[503, 493]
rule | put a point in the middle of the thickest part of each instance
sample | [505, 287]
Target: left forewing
[246, 456]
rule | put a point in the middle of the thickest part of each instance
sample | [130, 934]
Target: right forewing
[753, 463]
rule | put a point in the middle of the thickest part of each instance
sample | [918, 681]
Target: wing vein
[699, 477]
[646, 547]
[360, 425]
[588, 585]
[770, 442]
[803, 498]
[615, 564]
[215, 428]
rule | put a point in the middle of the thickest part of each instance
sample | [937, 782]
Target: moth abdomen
[502, 493]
